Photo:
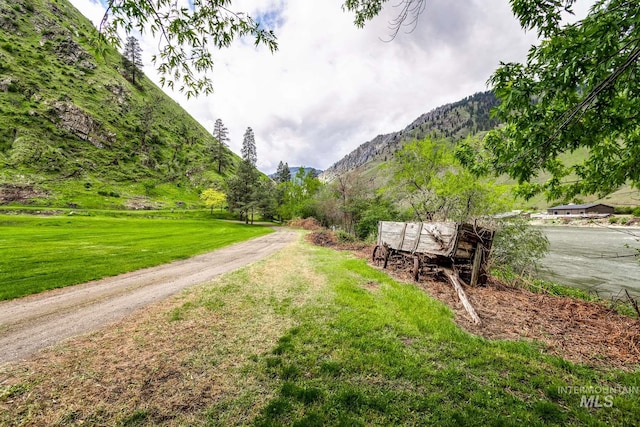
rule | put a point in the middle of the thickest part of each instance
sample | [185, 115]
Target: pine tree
[283, 174]
[132, 59]
[249, 148]
[286, 173]
[219, 152]
[242, 196]
[279, 171]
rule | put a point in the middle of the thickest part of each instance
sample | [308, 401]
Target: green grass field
[309, 337]
[38, 253]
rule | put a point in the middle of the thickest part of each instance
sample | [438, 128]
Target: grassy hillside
[74, 130]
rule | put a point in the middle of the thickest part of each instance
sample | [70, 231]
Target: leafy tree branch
[187, 35]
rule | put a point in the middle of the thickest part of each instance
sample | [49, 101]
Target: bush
[622, 210]
[8, 47]
[378, 210]
[108, 193]
[25, 150]
[613, 220]
[149, 187]
[344, 237]
[636, 211]
[517, 246]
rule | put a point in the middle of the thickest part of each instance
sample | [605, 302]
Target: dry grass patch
[169, 363]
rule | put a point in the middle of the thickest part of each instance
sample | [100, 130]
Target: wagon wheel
[416, 268]
[380, 256]
[375, 256]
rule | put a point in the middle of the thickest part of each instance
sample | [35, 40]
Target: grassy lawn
[306, 337]
[41, 253]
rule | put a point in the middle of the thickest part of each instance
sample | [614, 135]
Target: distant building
[588, 209]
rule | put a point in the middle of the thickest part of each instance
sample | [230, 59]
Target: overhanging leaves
[188, 35]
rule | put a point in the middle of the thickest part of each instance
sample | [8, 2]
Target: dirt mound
[305, 223]
[579, 331]
[323, 238]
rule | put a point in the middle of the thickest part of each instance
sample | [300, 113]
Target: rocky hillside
[70, 120]
[452, 121]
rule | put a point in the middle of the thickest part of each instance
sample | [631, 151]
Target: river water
[594, 259]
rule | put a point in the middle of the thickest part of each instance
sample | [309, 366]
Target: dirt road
[31, 323]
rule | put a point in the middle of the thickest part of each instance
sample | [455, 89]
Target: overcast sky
[331, 86]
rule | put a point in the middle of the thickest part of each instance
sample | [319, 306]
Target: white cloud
[332, 86]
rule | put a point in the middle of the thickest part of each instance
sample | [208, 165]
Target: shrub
[149, 187]
[622, 210]
[108, 193]
[344, 237]
[378, 210]
[613, 220]
[25, 150]
[636, 211]
[517, 246]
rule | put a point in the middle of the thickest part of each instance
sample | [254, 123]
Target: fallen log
[455, 281]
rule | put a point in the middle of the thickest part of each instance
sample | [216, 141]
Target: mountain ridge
[453, 121]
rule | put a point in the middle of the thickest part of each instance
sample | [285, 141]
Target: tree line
[425, 181]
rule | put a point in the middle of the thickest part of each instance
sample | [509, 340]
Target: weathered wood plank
[477, 264]
[431, 237]
[411, 237]
[437, 238]
[455, 281]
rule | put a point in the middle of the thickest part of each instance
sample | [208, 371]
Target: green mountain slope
[74, 131]
[451, 121]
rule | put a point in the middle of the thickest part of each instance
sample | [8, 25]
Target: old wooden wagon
[429, 247]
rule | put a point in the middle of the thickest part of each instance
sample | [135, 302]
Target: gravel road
[31, 323]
